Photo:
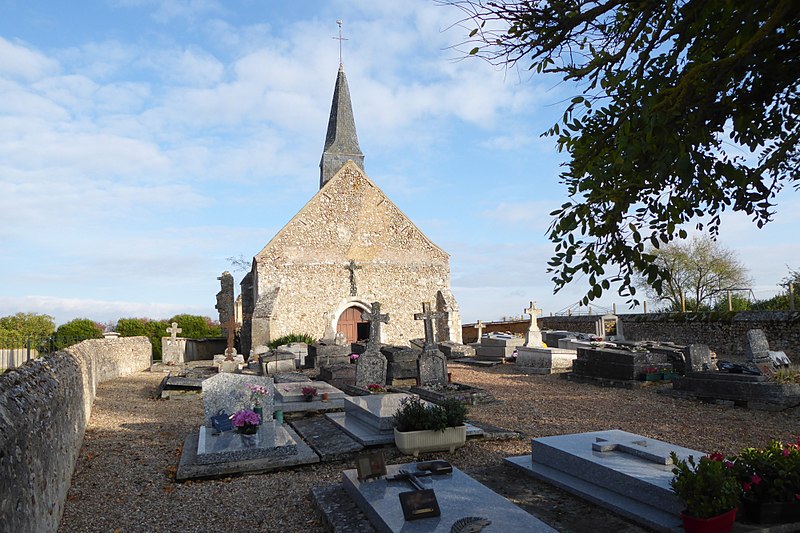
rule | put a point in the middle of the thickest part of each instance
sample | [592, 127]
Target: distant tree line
[39, 330]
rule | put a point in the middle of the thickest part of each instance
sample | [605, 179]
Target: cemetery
[341, 398]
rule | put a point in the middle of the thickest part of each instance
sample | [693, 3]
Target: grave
[298, 349]
[466, 394]
[624, 472]
[180, 387]
[401, 363]
[551, 337]
[615, 366]
[454, 350]
[497, 346]
[760, 357]
[370, 419]
[432, 364]
[339, 375]
[290, 399]
[277, 362]
[533, 337]
[173, 348]
[545, 360]
[609, 328]
[228, 392]
[371, 365]
[326, 352]
[461, 500]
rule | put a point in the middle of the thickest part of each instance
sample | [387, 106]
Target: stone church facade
[348, 246]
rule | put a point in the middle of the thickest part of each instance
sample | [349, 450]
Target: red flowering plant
[708, 487]
[770, 474]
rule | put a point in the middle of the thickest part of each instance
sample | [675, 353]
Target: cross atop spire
[340, 39]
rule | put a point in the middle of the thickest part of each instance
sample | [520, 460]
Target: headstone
[329, 334]
[338, 374]
[609, 328]
[432, 364]
[401, 363]
[533, 337]
[277, 362]
[229, 393]
[300, 351]
[621, 471]
[479, 327]
[497, 346]
[698, 358]
[371, 366]
[173, 349]
[757, 351]
[455, 350]
[326, 352]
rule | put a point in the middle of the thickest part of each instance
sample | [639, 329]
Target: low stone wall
[44, 407]
[470, 333]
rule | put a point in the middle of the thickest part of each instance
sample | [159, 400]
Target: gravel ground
[123, 481]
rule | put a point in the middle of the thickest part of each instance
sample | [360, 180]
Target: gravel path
[123, 478]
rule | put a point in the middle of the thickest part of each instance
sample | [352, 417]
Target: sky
[145, 142]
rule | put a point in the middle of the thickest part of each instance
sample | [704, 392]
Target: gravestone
[479, 326]
[329, 334]
[277, 362]
[497, 346]
[609, 328]
[533, 337]
[760, 357]
[698, 358]
[326, 352]
[616, 363]
[339, 374]
[289, 397]
[454, 350]
[229, 393]
[371, 366]
[401, 363]
[621, 471]
[432, 364]
[173, 348]
[300, 351]
[465, 505]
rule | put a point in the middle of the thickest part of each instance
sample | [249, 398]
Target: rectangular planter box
[414, 442]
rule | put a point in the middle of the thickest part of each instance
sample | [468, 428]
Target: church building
[347, 247]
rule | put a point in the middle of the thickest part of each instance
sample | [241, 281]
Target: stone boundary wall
[725, 333]
[44, 407]
[470, 334]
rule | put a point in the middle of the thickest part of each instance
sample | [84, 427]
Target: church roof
[341, 141]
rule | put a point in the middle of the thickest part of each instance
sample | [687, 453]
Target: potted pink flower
[246, 421]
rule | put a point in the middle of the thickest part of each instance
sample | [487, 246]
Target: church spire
[341, 142]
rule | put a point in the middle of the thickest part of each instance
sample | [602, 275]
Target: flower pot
[260, 412]
[248, 441]
[413, 442]
[324, 396]
[248, 429]
[771, 512]
[716, 524]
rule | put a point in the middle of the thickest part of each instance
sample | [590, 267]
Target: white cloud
[19, 61]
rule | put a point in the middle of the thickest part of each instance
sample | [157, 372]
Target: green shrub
[292, 337]
[77, 330]
[144, 327]
[26, 325]
[196, 327]
[415, 415]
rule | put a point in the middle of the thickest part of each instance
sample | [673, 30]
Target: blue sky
[143, 142]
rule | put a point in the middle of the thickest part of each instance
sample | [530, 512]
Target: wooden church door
[352, 325]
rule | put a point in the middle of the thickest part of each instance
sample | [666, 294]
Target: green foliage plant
[416, 415]
[196, 327]
[290, 338]
[144, 327]
[24, 325]
[708, 487]
[76, 331]
[786, 376]
[685, 110]
[770, 474]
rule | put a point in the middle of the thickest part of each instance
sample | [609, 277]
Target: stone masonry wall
[44, 407]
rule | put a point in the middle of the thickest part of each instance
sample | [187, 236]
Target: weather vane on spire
[340, 39]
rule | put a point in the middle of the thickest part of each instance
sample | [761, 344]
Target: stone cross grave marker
[479, 326]
[432, 364]
[173, 332]
[230, 327]
[352, 267]
[533, 337]
[429, 316]
[371, 366]
[638, 448]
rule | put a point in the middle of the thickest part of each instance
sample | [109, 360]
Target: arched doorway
[352, 325]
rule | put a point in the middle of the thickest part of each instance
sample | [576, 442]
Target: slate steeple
[341, 141]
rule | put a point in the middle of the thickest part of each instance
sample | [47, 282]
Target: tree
[781, 302]
[27, 325]
[197, 327]
[663, 86]
[700, 271]
[77, 330]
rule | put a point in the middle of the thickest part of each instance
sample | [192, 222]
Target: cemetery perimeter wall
[725, 333]
[44, 407]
